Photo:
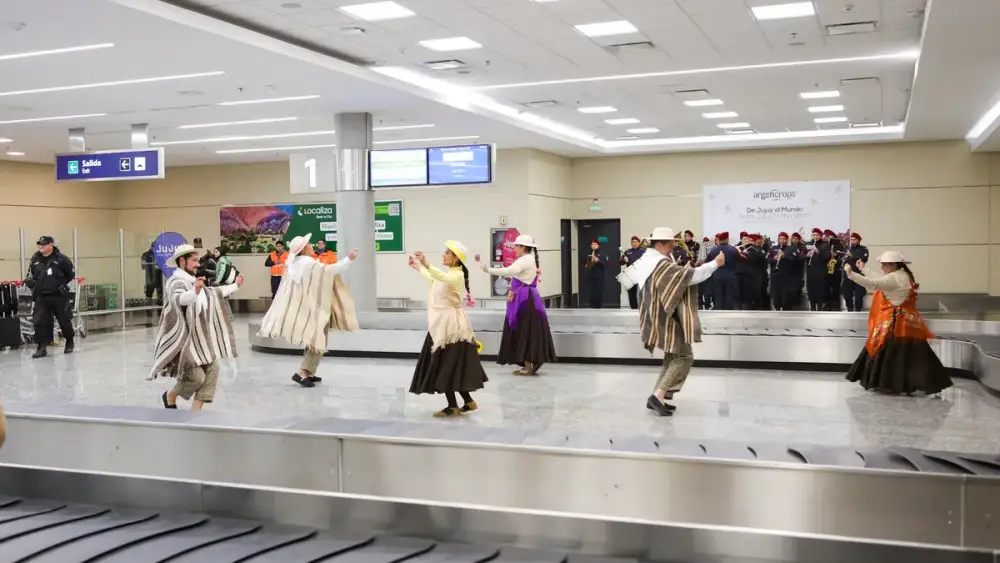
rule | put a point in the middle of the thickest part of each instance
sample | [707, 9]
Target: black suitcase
[10, 332]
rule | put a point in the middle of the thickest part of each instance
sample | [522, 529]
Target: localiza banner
[769, 208]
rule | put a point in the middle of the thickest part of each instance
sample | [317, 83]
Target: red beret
[744, 234]
[594, 241]
[636, 239]
[797, 235]
[829, 233]
[724, 235]
[856, 235]
[689, 233]
[818, 231]
[704, 239]
[754, 236]
[783, 234]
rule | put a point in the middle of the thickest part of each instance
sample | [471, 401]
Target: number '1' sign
[312, 173]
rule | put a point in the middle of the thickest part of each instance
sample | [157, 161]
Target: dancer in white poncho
[311, 300]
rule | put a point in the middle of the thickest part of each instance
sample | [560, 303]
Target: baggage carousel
[51, 516]
[773, 339]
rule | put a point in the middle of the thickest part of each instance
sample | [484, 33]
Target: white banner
[769, 208]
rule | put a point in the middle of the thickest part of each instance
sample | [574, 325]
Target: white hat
[662, 233]
[184, 250]
[298, 244]
[892, 257]
[524, 240]
[458, 249]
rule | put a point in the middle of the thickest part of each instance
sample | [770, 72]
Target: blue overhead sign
[143, 164]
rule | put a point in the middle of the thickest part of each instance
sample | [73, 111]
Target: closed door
[607, 233]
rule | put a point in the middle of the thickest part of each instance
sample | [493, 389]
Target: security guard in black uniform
[48, 277]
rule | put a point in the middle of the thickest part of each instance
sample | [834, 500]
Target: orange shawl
[903, 322]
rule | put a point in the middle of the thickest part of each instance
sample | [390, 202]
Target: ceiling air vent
[450, 64]
[861, 81]
[691, 94]
[851, 28]
[741, 131]
[626, 48]
[540, 104]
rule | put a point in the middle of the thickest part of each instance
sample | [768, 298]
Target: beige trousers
[198, 381]
[675, 370]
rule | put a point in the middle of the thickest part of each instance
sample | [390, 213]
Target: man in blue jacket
[725, 287]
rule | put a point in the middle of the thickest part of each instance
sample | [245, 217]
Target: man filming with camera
[49, 275]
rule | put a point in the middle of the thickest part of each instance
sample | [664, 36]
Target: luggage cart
[26, 304]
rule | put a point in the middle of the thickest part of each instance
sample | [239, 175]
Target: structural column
[356, 206]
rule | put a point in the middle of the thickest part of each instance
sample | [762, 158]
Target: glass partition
[143, 285]
[10, 254]
[98, 262]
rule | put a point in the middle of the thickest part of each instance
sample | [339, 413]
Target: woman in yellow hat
[449, 362]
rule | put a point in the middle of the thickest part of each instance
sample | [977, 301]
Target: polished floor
[727, 404]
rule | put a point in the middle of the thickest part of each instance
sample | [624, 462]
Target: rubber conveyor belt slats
[239, 548]
[164, 547]
[27, 509]
[97, 523]
[322, 546]
[23, 526]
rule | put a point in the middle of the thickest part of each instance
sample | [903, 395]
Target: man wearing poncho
[311, 299]
[668, 312]
[195, 332]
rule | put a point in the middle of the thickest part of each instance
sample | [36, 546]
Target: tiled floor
[728, 404]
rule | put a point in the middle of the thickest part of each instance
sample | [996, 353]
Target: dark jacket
[154, 277]
[631, 256]
[50, 275]
[855, 253]
[732, 255]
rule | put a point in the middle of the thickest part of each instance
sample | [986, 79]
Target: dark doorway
[566, 260]
[607, 232]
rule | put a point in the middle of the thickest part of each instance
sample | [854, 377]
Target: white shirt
[645, 265]
[190, 296]
[523, 269]
[295, 266]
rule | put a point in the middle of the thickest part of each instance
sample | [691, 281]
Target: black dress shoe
[41, 352]
[166, 404]
[303, 381]
[69, 347]
[315, 379]
[659, 407]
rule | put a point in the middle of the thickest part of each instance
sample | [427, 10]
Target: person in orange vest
[323, 254]
[276, 262]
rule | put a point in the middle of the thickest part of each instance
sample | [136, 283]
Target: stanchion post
[121, 273]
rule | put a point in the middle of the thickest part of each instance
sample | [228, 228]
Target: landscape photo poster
[254, 229]
[773, 207]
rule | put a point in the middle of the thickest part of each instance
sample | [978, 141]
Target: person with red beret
[705, 295]
[834, 271]
[595, 269]
[796, 257]
[748, 273]
[725, 288]
[780, 271]
[629, 258]
[817, 257]
[854, 294]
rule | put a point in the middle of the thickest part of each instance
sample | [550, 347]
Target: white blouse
[523, 269]
[895, 286]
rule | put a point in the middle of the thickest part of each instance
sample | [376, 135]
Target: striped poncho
[311, 300]
[668, 310]
[195, 335]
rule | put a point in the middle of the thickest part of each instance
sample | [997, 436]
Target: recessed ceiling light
[114, 83]
[247, 122]
[56, 118]
[703, 103]
[241, 138]
[642, 130]
[866, 125]
[401, 127]
[621, 121]
[275, 149]
[784, 11]
[429, 140]
[626, 138]
[719, 114]
[449, 64]
[6, 140]
[15, 153]
[450, 44]
[741, 131]
[13, 56]
[268, 100]
[910, 54]
[820, 95]
[603, 29]
[825, 109]
[741, 125]
[377, 11]
[597, 109]
[831, 119]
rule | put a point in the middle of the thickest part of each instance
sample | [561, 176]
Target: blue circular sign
[163, 249]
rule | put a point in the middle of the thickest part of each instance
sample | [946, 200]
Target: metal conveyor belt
[43, 531]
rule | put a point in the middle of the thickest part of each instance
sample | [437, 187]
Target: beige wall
[936, 202]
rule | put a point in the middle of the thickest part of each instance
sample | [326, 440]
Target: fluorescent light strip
[247, 122]
[604, 29]
[241, 138]
[6, 140]
[622, 121]
[429, 140]
[984, 122]
[912, 54]
[784, 11]
[15, 153]
[830, 120]
[268, 100]
[275, 149]
[402, 127]
[719, 114]
[703, 103]
[114, 83]
[782, 135]
[866, 125]
[733, 125]
[597, 109]
[57, 118]
[62, 51]
[820, 95]
[825, 109]
[642, 130]
[450, 44]
[377, 11]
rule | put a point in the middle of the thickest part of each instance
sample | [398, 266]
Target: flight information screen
[397, 168]
[469, 164]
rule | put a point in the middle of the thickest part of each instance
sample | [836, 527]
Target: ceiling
[523, 88]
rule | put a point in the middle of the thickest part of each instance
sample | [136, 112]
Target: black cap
[46, 239]
[197, 239]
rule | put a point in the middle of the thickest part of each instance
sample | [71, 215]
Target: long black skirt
[531, 342]
[449, 369]
[901, 366]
